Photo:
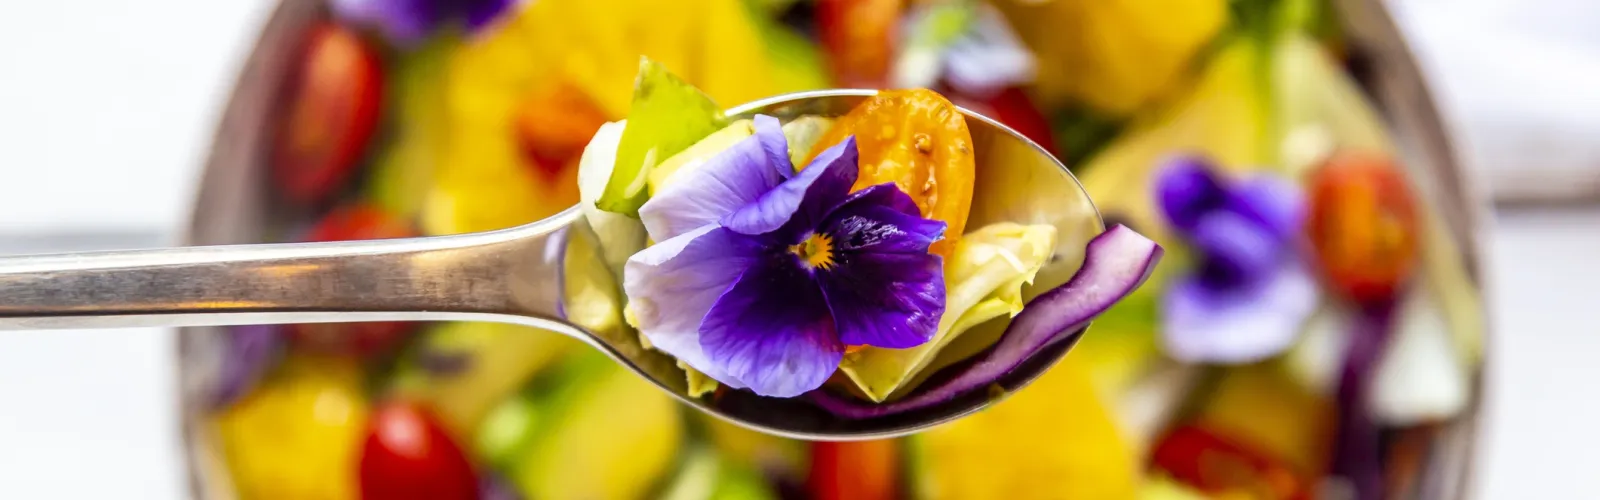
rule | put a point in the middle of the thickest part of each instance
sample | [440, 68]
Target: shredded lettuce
[983, 280]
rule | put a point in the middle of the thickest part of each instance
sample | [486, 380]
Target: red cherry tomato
[859, 39]
[409, 455]
[354, 222]
[1015, 109]
[857, 470]
[333, 100]
[1217, 465]
[1363, 225]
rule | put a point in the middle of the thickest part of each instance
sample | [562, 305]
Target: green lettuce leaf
[667, 116]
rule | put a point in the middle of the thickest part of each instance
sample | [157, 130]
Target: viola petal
[885, 195]
[672, 285]
[480, 13]
[770, 133]
[800, 204]
[1236, 325]
[404, 22]
[1234, 250]
[734, 178]
[890, 300]
[1272, 202]
[1186, 188]
[873, 220]
[772, 330]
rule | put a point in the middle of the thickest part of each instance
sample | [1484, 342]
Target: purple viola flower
[761, 276]
[408, 22]
[1249, 293]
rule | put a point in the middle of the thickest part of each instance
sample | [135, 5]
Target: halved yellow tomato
[918, 140]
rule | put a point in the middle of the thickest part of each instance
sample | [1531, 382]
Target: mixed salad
[1312, 331]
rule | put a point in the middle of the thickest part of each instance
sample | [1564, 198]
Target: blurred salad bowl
[1317, 329]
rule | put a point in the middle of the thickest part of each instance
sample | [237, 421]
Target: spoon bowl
[549, 274]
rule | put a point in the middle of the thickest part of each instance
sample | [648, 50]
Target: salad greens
[668, 115]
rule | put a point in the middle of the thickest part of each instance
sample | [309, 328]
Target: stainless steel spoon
[548, 274]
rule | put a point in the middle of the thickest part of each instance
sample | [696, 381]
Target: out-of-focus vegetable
[918, 140]
[983, 280]
[408, 455]
[248, 352]
[491, 361]
[781, 457]
[1259, 407]
[707, 476]
[863, 470]
[860, 38]
[611, 435]
[1358, 443]
[1363, 225]
[298, 435]
[1116, 55]
[1055, 440]
[1318, 107]
[1419, 378]
[1115, 264]
[404, 169]
[1221, 467]
[334, 98]
[358, 221]
[507, 430]
[668, 116]
[1223, 118]
[1015, 109]
[552, 125]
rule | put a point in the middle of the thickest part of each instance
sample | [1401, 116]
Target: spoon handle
[487, 275]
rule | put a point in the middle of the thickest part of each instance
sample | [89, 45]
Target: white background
[106, 107]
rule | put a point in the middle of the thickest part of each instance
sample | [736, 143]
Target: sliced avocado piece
[667, 116]
[610, 434]
[993, 261]
[692, 158]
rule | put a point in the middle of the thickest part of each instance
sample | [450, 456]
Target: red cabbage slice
[1358, 453]
[1115, 263]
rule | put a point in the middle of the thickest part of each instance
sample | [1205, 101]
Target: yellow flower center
[816, 251]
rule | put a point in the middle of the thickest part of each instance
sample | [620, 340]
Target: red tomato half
[1363, 225]
[1218, 465]
[858, 37]
[333, 100]
[354, 222]
[857, 470]
[408, 455]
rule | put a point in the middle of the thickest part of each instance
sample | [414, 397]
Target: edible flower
[1249, 293]
[762, 275]
[409, 22]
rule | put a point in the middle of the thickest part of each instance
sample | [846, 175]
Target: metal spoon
[547, 274]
